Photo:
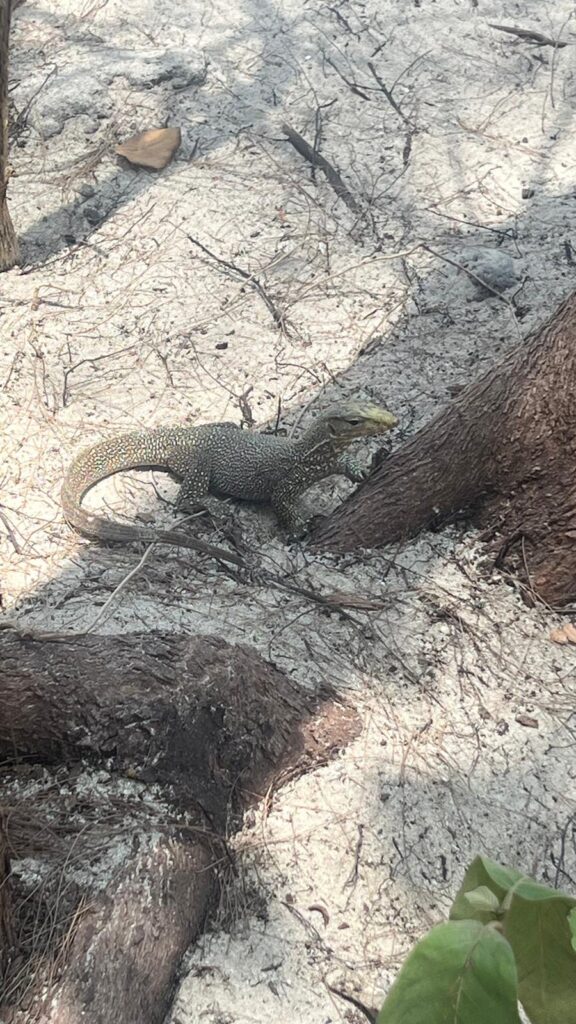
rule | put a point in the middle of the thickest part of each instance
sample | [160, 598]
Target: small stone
[494, 267]
[86, 190]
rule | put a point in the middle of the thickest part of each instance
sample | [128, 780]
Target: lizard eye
[354, 423]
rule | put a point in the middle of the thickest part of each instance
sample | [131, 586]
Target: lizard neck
[319, 441]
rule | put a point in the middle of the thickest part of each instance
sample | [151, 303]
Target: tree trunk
[216, 725]
[6, 929]
[121, 956]
[503, 451]
[8, 242]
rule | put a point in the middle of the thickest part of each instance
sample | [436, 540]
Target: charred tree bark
[6, 929]
[8, 242]
[216, 725]
[194, 713]
[503, 450]
[120, 961]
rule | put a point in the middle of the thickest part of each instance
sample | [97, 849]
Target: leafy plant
[509, 940]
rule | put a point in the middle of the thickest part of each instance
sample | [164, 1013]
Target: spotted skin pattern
[222, 459]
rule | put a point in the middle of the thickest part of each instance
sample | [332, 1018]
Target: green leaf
[462, 972]
[483, 873]
[538, 928]
[539, 925]
[483, 898]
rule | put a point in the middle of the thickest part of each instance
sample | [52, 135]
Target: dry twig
[254, 283]
[370, 1015]
[388, 93]
[317, 160]
[118, 590]
[530, 35]
[353, 86]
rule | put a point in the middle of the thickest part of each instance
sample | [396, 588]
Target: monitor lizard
[223, 460]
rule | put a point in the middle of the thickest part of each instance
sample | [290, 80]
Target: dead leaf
[154, 148]
[565, 634]
[526, 720]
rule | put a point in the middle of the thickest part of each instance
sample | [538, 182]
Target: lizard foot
[297, 529]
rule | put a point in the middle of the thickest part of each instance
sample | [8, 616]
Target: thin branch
[94, 359]
[249, 278]
[569, 253]
[530, 35]
[20, 119]
[412, 64]
[502, 232]
[479, 280]
[317, 160]
[370, 1015]
[343, 21]
[318, 126]
[118, 590]
[351, 85]
[471, 274]
[388, 93]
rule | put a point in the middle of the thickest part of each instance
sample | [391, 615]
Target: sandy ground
[118, 319]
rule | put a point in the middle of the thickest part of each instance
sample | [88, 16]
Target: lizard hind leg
[193, 489]
[194, 471]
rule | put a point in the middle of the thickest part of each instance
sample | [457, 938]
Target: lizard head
[349, 420]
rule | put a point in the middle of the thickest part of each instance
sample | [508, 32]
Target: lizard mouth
[376, 421]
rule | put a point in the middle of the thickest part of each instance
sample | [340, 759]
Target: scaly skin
[223, 460]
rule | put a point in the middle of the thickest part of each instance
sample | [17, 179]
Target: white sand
[117, 320]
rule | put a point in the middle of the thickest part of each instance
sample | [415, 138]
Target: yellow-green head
[349, 420]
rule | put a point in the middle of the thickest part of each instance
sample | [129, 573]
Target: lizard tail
[137, 450]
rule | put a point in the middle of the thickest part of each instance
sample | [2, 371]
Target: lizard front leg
[286, 507]
[349, 467]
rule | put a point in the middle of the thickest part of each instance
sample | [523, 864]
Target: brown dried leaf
[565, 634]
[154, 148]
